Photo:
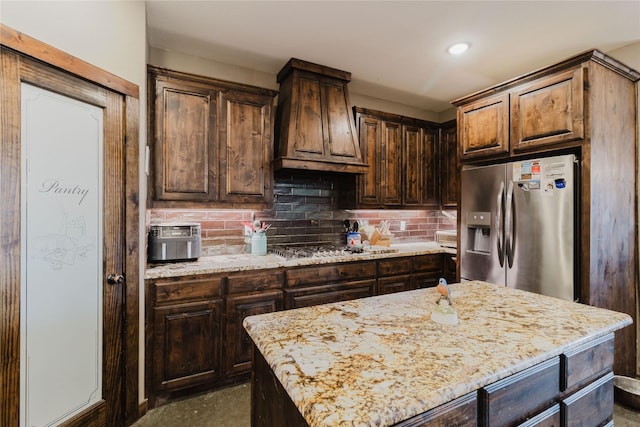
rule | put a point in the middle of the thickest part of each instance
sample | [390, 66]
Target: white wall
[108, 34]
[191, 64]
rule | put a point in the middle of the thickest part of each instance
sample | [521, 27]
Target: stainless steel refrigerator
[518, 225]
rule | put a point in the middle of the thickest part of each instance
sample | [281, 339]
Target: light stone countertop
[380, 360]
[245, 262]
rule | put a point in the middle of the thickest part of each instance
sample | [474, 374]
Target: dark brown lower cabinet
[184, 335]
[187, 343]
[195, 338]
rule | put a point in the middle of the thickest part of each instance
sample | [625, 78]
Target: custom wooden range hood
[315, 129]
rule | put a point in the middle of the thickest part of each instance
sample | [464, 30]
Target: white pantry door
[62, 264]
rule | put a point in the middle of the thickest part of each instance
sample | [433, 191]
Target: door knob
[115, 279]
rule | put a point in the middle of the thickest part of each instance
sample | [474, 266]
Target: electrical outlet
[403, 225]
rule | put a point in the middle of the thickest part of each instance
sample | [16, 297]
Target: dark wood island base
[573, 389]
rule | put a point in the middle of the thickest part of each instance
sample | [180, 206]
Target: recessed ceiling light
[458, 48]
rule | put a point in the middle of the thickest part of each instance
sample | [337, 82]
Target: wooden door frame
[26, 46]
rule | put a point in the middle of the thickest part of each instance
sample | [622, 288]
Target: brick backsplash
[308, 208]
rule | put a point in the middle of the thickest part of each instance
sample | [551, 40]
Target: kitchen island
[381, 361]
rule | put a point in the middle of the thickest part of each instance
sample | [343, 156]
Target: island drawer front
[549, 418]
[316, 295]
[256, 281]
[427, 262]
[586, 362]
[589, 406]
[178, 289]
[393, 267]
[390, 285]
[519, 396]
[461, 412]
[330, 273]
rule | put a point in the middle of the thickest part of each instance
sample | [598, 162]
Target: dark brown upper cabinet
[403, 158]
[316, 130]
[540, 113]
[449, 166]
[211, 141]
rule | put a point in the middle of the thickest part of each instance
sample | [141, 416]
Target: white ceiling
[396, 50]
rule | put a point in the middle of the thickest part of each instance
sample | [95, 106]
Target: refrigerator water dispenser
[479, 225]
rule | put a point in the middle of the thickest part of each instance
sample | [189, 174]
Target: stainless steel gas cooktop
[326, 251]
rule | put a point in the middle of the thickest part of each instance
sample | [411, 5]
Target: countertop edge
[247, 262]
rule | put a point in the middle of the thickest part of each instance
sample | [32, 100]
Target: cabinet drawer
[330, 273]
[427, 263]
[520, 396]
[315, 295]
[425, 280]
[394, 267]
[590, 406]
[586, 362]
[461, 412]
[257, 281]
[171, 291]
[389, 285]
[548, 418]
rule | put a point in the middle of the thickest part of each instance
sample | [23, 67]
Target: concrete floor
[231, 407]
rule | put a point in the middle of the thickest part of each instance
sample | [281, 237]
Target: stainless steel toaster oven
[174, 242]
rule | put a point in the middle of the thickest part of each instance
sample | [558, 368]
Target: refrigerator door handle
[508, 226]
[499, 225]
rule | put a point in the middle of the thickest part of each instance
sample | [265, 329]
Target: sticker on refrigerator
[548, 186]
[529, 173]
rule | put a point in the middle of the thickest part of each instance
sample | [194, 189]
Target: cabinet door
[246, 147]
[186, 344]
[484, 127]
[548, 111]
[237, 343]
[413, 159]
[449, 170]
[419, 166]
[184, 136]
[391, 163]
[369, 183]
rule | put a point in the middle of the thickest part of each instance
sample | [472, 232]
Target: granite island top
[380, 360]
[245, 262]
